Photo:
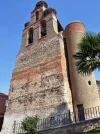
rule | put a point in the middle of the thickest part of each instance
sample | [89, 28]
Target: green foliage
[30, 124]
[91, 132]
[88, 57]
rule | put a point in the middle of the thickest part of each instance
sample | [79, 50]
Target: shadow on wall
[61, 116]
[60, 109]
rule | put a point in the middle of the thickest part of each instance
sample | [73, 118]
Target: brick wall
[3, 99]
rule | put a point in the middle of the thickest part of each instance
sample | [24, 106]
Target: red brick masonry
[3, 99]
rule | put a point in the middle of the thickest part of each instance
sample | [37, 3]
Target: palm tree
[88, 56]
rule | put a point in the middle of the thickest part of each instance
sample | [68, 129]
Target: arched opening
[37, 15]
[30, 33]
[43, 28]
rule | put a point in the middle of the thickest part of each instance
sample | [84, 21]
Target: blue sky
[13, 15]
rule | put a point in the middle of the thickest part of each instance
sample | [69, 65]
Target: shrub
[30, 124]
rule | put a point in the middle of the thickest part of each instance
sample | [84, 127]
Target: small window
[89, 82]
[43, 28]
[37, 15]
[30, 39]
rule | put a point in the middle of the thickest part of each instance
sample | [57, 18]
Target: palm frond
[89, 53]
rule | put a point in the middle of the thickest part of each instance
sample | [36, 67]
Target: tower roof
[41, 3]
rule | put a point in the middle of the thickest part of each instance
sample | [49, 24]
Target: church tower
[39, 84]
[45, 81]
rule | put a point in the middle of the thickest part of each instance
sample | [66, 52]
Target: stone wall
[75, 128]
[39, 78]
[39, 83]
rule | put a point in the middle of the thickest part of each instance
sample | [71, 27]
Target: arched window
[30, 33]
[37, 15]
[43, 28]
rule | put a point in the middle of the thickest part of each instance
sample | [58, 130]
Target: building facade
[45, 81]
[3, 102]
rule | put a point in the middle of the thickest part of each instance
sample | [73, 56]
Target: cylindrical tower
[84, 88]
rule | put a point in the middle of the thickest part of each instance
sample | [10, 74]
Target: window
[43, 28]
[89, 82]
[30, 39]
[37, 15]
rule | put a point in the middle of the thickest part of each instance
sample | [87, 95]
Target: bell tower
[43, 24]
[39, 83]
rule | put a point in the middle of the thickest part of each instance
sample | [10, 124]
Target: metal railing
[62, 119]
[56, 121]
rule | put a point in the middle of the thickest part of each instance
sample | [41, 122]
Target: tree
[88, 56]
[30, 124]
